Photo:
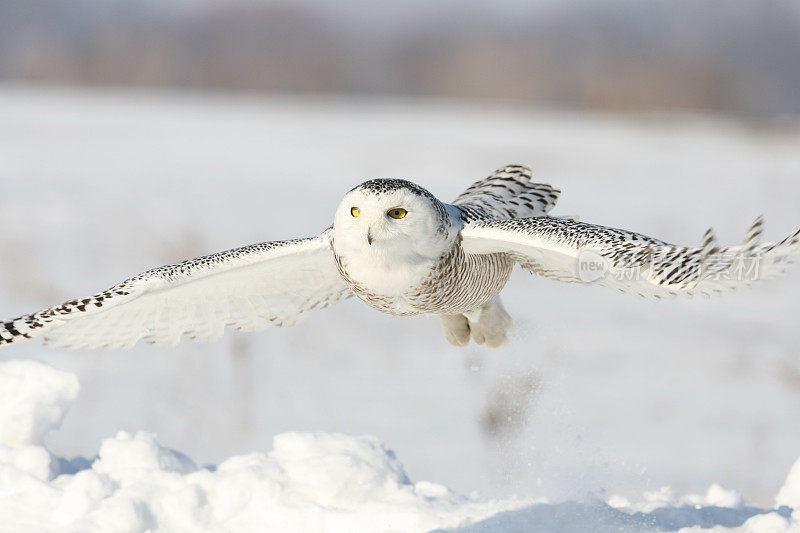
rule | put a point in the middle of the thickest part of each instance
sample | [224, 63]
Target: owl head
[387, 217]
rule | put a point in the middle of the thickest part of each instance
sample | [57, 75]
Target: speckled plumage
[450, 260]
[507, 193]
[240, 305]
[458, 283]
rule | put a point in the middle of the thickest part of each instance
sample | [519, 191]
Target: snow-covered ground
[307, 482]
[597, 394]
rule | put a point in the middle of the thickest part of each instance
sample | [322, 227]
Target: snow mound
[127, 458]
[307, 482]
[34, 398]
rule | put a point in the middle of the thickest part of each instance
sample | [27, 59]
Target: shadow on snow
[599, 517]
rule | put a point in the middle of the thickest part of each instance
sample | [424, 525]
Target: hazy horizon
[613, 55]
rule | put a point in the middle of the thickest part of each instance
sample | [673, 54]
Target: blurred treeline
[736, 56]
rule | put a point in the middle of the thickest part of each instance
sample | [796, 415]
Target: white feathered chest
[454, 283]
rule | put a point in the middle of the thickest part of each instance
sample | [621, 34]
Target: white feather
[247, 288]
[637, 264]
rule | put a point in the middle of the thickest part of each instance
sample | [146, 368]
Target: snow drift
[308, 482]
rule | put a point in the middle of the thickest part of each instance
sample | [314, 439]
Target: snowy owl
[402, 251]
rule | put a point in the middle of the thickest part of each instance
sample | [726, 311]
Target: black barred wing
[571, 251]
[507, 193]
[249, 288]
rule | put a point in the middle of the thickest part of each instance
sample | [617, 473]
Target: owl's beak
[369, 236]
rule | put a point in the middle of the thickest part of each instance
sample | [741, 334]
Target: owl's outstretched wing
[572, 251]
[509, 192]
[249, 288]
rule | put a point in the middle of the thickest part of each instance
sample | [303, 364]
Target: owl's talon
[456, 329]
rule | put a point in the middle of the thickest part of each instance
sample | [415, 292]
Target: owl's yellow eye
[397, 212]
[354, 211]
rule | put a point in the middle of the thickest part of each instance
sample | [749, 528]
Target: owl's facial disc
[388, 222]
